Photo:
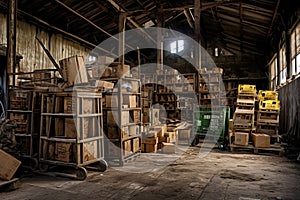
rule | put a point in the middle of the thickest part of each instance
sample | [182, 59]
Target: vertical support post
[159, 38]
[197, 15]
[11, 44]
[122, 21]
[288, 54]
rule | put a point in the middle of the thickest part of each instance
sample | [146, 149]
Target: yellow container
[269, 105]
[245, 88]
[267, 95]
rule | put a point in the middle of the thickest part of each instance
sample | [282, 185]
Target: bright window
[273, 73]
[92, 58]
[282, 62]
[295, 50]
[177, 46]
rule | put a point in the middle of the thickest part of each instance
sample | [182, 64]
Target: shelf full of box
[23, 109]
[122, 120]
[147, 89]
[187, 97]
[71, 130]
[210, 90]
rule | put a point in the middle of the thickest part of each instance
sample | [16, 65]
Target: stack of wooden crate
[268, 114]
[70, 130]
[243, 117]
[23, 109]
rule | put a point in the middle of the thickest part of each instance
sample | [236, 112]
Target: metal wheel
[102, 166]
[81, 173]
[34, 164]
[43, 167]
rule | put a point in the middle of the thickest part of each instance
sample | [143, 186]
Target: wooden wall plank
[33, 54]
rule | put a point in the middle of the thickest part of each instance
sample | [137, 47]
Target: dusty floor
[219, 175]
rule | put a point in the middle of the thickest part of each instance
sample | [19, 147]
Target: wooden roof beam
[84, 18]
[274, 17]
[189, 17]
[135, 24]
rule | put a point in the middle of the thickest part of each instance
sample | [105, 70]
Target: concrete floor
[219, 175]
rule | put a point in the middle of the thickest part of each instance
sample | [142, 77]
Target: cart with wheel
[71, 136]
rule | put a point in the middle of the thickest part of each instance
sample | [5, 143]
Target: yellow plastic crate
[267, 95]
[269, 105]
[245, 88]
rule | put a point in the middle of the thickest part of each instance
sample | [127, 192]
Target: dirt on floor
[218, 175]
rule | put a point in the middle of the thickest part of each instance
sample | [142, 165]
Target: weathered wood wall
[33, 54]
[289, 97]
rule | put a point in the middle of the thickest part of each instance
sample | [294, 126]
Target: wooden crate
[8, 165]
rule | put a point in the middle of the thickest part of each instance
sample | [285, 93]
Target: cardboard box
[184, 134]
[149, 148]
[135, 116]
[73, 70]
[158, 129]
[135, 145]
[133, 130]
[105, 60]
[172, 136]
[69, 104]
[70, 128]
[150, 140]
[163, 139]
[152, 134]
[168, 148]
[261, 140]
[8, 165]
[113, 117]
[130, 100]
[63, 151]
[127, 148]
[125, 132]
[120, 70]
[111, 101]
[125, 117]
[90, 151]
[104, 84]
[241, 138]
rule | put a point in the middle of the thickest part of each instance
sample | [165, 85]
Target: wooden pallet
[273, 149]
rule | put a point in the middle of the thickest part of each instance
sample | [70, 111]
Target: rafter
[273, 18]
[135, 24]
[189, 17]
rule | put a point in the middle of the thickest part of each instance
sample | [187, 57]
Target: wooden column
[122, 21]
[197, 13]
[159, 39]
[11, 43]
